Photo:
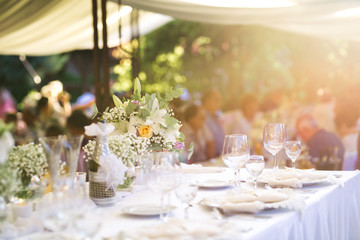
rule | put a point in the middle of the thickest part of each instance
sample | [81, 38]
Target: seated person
[345, 122]
[195, 131]
[211, 102]
[320, 142]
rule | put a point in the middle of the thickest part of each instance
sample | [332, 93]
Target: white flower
[29, 160]
[6, 143]
[156, 115]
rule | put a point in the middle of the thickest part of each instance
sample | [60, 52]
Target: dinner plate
[305, 183]
[146, 209]
[214, 183]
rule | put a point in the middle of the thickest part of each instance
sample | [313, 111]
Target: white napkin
[178, 229]
[292, 182]
[196, 169]
[312, 175]
[249, 207]
[99, 129]
[270, 196]
[236, 198]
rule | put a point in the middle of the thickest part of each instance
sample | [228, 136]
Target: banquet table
[331, 211]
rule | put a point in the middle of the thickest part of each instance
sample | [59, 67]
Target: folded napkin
[282, 175]
[178, 229]
[196, 168]
[292, 182]
[270, 196]
[248, 207]
[236, 198]
[312, 175]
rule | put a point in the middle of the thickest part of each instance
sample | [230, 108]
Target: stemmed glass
[72, 146]
[255, 166]
[274, 138]
[186, 192]
[293, 150]
[52, 148]
[165, 178]
[235, 154]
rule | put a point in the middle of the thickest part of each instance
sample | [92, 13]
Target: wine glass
[72, 146]
[52, 148]
[274, 138]
[186, 192]
[165, 178]
[293, 150]
[255, 166]
[235, 154]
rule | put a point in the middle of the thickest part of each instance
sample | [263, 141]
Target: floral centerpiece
[142, 124]
[29, 161]
[8, 181]
[147, 116]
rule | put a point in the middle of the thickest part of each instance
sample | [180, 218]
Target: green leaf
[131, 107]
[117, 101]
[96, 111]
[177, 92]
[191, 150]
[168, 97]
[181, 137]
[170, 121]
[143, 113]
[137, 88]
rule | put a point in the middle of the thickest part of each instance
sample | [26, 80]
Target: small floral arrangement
[29, 160]
[126, 147]
[148, 117]
[9, 182]
[6, 140]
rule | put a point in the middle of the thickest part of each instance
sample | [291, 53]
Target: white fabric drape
[38, 27]
[322, 18]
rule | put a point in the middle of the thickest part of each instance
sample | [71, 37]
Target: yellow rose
[145, 131]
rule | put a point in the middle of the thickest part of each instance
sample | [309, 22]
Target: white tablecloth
[331, 212]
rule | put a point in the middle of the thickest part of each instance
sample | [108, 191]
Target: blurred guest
[319, 141]
[177, 105]
[54, 131]
[7, 102]
[85, 103]
[44, 117]
[76, 126]
[345, 121]
[323, 111]
[240, 122]
[358, 149]
[272, 101]
[58, 100]
[211, 102]
[29, 117]
[196, 131]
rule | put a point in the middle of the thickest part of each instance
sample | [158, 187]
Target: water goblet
[274, 137]
[293, 150]
[186, 192]
[52, 148]
[235, 154]
[255, 166]
[72, 146]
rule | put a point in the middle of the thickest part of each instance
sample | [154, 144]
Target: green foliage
[117, 101]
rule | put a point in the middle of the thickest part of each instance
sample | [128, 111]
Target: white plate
[145, 209]
[214, 183]
[305, 183]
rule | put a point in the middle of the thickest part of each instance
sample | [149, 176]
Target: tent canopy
[38, 27]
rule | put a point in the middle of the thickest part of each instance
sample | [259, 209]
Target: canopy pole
[105, 54]
[96, 64]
